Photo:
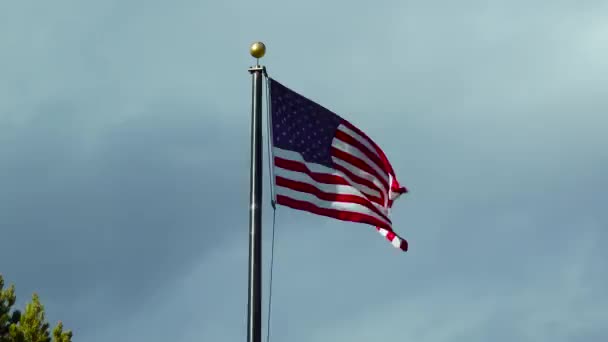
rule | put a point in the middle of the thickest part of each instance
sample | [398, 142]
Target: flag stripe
[293, 161]
[334, 205]
[371, 144]
[371, 155]
[305, 177]
[337, 213]
[302, 167]
[363, 161]
[358, 136]
[395, 240]
[360, 176]
[360, 167]
[338, 196]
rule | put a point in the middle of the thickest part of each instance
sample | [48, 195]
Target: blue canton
[301, 125]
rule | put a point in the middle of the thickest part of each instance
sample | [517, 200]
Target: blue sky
[124, 158]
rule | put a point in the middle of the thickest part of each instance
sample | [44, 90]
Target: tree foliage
[29, 326]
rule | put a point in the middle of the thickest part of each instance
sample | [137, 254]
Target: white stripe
[318, 168]
[395, 195]
[354, 151]
[390, 190]
[396, 242]
[342, 206]
[327, 188]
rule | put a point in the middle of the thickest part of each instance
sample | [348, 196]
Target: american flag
[325, 165]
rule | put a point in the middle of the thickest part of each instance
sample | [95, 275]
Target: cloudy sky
[124, 151]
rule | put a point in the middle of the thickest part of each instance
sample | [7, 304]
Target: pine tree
[8, 319]
[61, 336]
[31, 326]
[32, 322]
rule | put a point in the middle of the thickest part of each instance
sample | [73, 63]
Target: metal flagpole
[254, 307]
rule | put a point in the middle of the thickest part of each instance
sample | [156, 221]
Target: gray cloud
[124, 153]
[121, 219]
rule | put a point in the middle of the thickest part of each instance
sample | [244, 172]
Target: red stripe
[358, 163]
[333, 213]
[331, 197]
[327, 178]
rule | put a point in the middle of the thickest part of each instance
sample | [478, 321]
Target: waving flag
[326, 166]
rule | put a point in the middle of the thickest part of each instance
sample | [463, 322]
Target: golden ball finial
[257, 49]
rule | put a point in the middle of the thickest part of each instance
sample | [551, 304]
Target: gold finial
[257, 50]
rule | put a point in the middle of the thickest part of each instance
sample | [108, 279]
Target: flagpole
[254, 307]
